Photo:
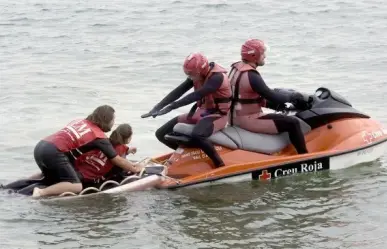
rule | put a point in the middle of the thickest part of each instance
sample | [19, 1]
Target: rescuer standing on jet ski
[212, 94]
[251, 94]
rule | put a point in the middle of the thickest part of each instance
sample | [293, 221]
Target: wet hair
[121, 134]
[102, 116]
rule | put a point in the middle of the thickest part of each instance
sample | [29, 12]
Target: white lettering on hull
[303, 168]
[198, 154]
[370, 136]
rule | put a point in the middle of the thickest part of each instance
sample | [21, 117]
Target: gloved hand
[280, 107]
[152, 113]
[274, 106]
[299, 101]
[167, 109]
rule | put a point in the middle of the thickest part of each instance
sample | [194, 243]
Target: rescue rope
[127, 180]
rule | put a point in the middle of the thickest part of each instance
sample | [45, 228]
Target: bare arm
[126, 165]
[107, 148]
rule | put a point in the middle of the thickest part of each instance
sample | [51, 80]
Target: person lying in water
[53, 153]
[94, 167]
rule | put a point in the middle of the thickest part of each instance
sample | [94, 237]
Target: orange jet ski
[336, 134]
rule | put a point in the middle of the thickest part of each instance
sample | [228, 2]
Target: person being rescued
[212, 94]
[251, 94]
[93, 167]
[56, 153]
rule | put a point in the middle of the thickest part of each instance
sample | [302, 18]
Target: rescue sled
[152, 175]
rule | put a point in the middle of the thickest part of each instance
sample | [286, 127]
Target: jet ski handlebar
[323, 98]
[308, 100]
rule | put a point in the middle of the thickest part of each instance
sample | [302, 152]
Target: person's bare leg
[36, 176]
[58, 189]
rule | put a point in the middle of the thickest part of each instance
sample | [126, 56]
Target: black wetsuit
[203, 129]
[57, 166]
[282, 122]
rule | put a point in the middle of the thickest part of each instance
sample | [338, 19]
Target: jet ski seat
[234, 137]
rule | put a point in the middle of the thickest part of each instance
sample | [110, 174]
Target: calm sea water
[61, 59]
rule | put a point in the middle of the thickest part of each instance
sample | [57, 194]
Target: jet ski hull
[337, 136]
[272, 169]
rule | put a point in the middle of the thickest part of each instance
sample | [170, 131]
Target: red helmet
[196, 64]
[252, 50]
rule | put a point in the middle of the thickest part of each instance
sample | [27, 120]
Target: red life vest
[221, 99]
[94, 165]
[245, 101]
[76, 134]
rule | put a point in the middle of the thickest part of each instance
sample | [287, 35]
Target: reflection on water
[317, 210]
[291, 212]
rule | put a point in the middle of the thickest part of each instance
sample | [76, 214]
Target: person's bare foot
[37, 192]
